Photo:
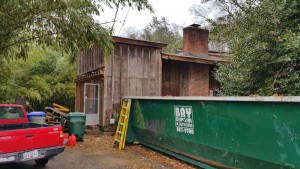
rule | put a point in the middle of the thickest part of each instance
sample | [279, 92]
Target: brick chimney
[195, 39]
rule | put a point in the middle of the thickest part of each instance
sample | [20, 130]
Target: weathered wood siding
[79, 98]
[85, 62]
[89, 60]
[79, 101]
[185, 78]
[132, 71]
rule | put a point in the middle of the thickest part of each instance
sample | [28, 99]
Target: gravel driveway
[96, 152]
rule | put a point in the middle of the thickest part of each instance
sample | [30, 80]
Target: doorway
[91, 103]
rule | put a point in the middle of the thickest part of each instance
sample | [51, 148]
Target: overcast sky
[175, 11]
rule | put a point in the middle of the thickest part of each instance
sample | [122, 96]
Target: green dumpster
[76, 124]
[220, 132]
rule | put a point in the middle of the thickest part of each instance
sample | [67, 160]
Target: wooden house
[139, 68]
[134, 69]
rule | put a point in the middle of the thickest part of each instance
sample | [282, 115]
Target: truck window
[11, 113]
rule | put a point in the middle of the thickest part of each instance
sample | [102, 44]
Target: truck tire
[41, 162]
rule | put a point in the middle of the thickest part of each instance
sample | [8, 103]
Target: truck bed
[4, 127]
[23, 137]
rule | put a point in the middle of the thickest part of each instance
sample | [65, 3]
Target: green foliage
[159, 31]
[68, 24]
[48, 34]
[4, 80]
[263, 37]
[139, 4]
[45, 77]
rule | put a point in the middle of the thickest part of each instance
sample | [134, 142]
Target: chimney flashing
[195, 25]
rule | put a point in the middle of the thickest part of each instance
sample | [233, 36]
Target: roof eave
[168, 56]
[139, 42]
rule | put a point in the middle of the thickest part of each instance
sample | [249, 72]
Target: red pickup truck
[23, 141]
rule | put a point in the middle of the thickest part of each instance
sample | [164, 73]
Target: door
[91, 103]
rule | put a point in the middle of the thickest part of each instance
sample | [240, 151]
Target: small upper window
[11, 113]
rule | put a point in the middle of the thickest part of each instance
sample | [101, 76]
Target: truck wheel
[41, 162]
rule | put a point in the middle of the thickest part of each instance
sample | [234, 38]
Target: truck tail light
[61, 137]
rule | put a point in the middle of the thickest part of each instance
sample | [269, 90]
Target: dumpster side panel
[220, 133]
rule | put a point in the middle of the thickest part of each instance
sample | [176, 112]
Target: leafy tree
[159, 31]
[263, 37]
[65, 23]
[46, 76]
[5, 90]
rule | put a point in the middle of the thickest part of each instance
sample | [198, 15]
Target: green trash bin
[76, 124]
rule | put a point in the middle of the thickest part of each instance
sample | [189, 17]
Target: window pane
[11, 113]
[91, 106]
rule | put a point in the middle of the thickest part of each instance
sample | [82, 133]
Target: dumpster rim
[221, 98]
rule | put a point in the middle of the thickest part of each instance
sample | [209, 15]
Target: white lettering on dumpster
[184, 122]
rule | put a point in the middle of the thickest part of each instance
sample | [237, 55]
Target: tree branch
[112, 27]
[26, 40]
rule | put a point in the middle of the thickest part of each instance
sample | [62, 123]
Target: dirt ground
[96, 152]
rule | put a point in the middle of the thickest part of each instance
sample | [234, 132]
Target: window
[11, 113]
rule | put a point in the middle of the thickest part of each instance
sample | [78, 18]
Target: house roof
[139, 42]
[210, 58]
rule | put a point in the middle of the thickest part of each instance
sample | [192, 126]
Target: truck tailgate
[30, 138]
